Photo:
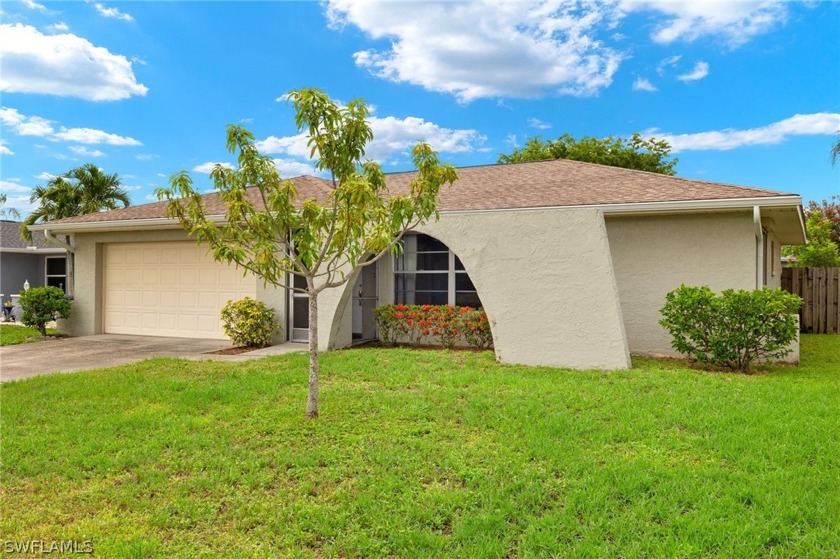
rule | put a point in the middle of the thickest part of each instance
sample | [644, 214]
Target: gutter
[759, 248]
[48, 234]
[70, 271]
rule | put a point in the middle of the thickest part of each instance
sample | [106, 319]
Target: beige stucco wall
[653, 255]
[772, 256]
[545, 278]
[87, 316]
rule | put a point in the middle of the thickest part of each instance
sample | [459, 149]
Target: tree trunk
[312, 400]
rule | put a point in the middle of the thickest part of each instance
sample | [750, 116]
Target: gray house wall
[16, 268]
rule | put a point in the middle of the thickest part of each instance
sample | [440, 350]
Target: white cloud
[643, 84]
[538, 124]
[733, 22]
[485, 49]
[4, 149]
[291, 168]
[131, 188]
[666, 63]
[146, 156]
[700, 71]
[161, 175]
[823, 124]
[93, 136]
[59, 26]
[32, 5]
[14, 188]
[391, 136]
[85, 152]
[24, 125]
[45, 176]
[111, 12]
[65, 65]
[209, 166]
[512, 140]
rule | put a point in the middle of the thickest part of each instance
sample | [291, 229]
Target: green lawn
[12, 335]
[428, 454]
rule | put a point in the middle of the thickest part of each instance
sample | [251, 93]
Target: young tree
[633, 153]
[271, 233]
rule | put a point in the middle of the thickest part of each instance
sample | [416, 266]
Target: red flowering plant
[476, 328]
[390, 320]
[445, 323]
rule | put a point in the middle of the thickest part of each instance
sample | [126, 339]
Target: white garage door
[168, 289]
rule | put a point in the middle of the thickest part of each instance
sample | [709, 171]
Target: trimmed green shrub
[249, 323]
[733, 329]
[41, 305]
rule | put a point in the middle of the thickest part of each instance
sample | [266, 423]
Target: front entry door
[298, 312]
[365, 299]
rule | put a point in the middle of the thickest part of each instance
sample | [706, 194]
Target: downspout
[71, 269]
[759, 248]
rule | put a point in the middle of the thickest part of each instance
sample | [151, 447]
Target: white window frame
[47, 275]
[450, 271]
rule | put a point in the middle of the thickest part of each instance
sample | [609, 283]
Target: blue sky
[747, 93]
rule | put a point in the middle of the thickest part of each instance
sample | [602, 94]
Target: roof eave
[633, 208]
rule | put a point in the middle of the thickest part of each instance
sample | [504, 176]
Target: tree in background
[633, 153]
[7, 212]
[82, 190]
[321, 241]
[830, 210]
[835, 151]
[821, 250]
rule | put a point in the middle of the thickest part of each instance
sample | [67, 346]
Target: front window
[56, 272]
[428, 273]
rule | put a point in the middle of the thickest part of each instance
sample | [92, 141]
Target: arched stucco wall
[545, 278]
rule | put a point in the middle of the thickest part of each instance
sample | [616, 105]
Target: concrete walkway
[65, 355]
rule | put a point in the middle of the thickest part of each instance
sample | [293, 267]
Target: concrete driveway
[93, 352]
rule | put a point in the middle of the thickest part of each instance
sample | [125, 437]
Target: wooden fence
[820, 292]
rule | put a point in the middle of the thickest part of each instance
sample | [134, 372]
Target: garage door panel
[168, 289]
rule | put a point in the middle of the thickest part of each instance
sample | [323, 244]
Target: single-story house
[571, 261]
[35, 262]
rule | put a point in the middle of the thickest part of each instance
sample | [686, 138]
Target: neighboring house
[36, 261]
[570, 260]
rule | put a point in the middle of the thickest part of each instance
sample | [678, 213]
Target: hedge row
[443, 323]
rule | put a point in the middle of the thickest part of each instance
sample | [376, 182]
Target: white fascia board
[119, 224]
[678, 206]
[32, 251]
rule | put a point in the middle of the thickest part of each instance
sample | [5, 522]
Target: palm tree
[99, 191]
[835, 151]
[82, 190]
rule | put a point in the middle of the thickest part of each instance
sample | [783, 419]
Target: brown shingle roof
[559, 182]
